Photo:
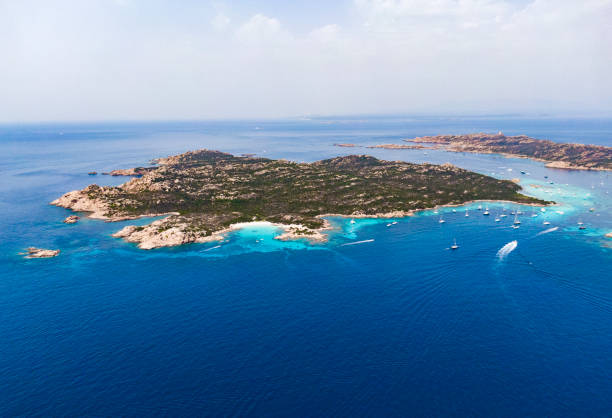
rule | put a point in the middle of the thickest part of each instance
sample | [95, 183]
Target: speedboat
[546, 223]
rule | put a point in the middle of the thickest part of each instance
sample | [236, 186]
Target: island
[206, 193]
[33, 252]
[397, 146]
[556, 155]
[72, 219]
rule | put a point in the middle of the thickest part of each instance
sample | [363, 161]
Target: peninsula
[206, 192]
[556, 155]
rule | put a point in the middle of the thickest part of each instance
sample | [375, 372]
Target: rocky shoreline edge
[165, 233]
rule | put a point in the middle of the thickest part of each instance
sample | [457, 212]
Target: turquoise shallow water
[383, 320]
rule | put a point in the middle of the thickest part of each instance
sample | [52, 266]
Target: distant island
[397, 146]
[556, 155]
[206, 192]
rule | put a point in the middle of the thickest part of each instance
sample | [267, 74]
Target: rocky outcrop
[295, 232]
[345, 145]
[85, 200]
[609, 235]
[137, 172]
[72, 219]
[33, 252]
[165, 233]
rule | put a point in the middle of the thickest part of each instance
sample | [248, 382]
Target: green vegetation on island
[210, 190]
[557, 155]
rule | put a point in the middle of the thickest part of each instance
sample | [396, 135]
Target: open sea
[383, 320]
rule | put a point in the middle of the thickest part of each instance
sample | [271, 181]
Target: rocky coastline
[555, 155]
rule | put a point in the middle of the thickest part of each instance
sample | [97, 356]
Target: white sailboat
[486, 212]
[454, 246]
[516, 220]
[441, 221]
[467, 213]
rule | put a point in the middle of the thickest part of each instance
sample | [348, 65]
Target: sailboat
[497, 219]
[454, 246]
[467, 213]
[441, 221]
[479, 207]
[581, 225]
[516, 220]
[486, 212]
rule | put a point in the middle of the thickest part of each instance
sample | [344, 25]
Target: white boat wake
[507, 249]
[547, 231]
[357, 242]
[211, 248]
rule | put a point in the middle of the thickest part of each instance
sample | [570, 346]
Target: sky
[88, 60]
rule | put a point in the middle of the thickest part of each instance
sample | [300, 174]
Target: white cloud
[325, 34]
[220, 22]
[100, 61]
[261, 28]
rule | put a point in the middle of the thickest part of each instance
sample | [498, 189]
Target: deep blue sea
[394, 324]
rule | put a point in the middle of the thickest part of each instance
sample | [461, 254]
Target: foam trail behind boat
[357, 242]
[507, 249]
[546, 231]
